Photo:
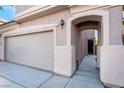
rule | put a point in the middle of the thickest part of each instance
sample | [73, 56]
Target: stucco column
[112, 56]
[3, 46]
[105, 34]
[116, 25]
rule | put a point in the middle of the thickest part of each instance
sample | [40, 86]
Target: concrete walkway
[17, 76]
[87, 75]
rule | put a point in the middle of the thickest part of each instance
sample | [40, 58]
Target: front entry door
[90, 46]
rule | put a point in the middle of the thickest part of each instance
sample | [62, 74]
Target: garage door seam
[30, 67]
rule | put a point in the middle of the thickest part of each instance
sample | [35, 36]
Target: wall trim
[36, 10]
[29, 30]
[32, 9]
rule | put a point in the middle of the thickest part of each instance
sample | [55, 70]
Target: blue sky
[8, 12]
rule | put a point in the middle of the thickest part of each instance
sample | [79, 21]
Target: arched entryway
[94, 20]
[83, 35]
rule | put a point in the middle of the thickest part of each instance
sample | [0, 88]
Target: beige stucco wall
[21, 8]
[52, 19]
[82, 45]
[75, 40]
[123, 34]
[116, 25]
[0, 46]
[90, 33]
[112, 65]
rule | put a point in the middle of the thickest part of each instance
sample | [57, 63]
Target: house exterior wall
[112, 65]
[116, 26]
[52, 19]
[82, 45]
[75, 41]
[0, 46]
[66, 48]
[21, 8]
[84, 8]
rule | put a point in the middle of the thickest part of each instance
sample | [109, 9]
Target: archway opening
[88, 40]
[86, 36]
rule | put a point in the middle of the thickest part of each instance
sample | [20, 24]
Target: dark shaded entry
[90, 46]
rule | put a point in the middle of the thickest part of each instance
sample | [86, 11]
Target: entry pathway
[18, 76]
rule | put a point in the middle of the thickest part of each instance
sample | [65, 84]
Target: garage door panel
[33, 50]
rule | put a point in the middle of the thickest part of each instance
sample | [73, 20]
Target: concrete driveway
[18, 76]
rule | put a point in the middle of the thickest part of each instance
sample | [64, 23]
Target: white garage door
[34, 50]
